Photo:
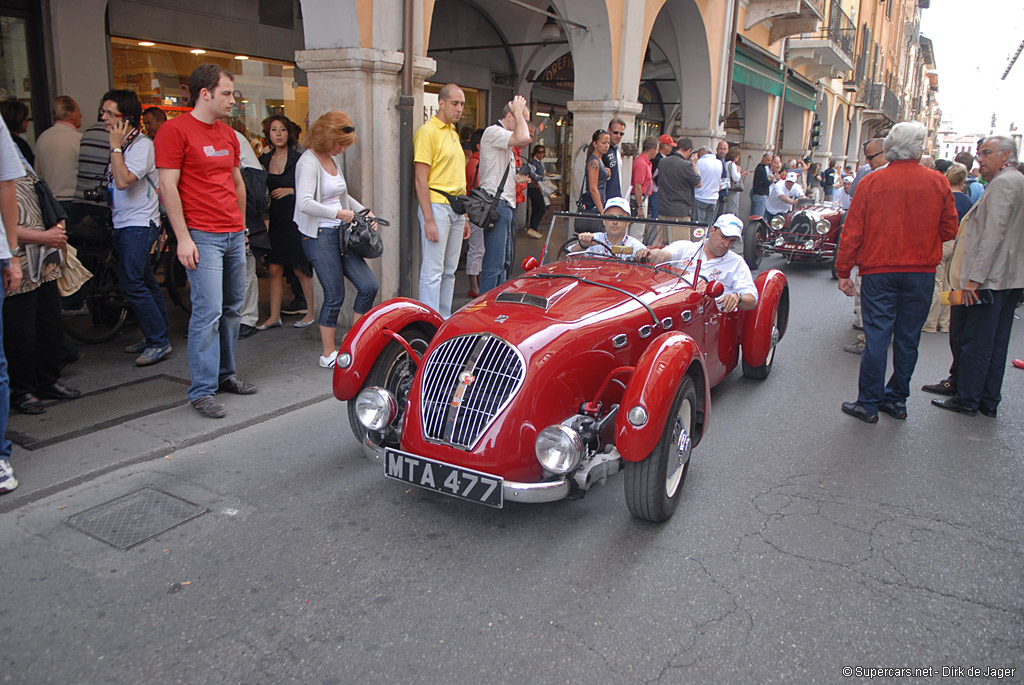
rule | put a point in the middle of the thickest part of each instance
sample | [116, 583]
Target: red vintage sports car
[554, 381]
[808, 233]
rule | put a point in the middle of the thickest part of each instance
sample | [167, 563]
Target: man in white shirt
[10, 265]
[615, 235]
[135, 210]
[706, 195]
[841, 196]
[57, 150]
[718, 262]
[496, 157]
[783, 195]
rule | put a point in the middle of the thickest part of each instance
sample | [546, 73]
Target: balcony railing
[840, 28]
[877, 96]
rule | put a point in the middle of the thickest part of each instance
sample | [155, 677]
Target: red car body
[570, 342]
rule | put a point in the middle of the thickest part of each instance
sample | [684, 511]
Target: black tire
[652, 489]
[752, 245]
[393, 371]
[778, 329]
[98, 311]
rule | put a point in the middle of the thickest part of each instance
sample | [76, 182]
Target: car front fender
[371, 333]
[756, 333]
[653, 386]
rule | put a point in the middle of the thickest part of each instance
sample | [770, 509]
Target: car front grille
[467, 382]
[801, 225]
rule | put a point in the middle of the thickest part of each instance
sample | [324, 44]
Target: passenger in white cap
[842, 195]
[783, 195]
[718, 262]
[614, 235]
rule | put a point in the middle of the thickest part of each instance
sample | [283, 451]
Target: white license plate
[454, 481]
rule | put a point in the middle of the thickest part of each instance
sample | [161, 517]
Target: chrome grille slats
[467, 382]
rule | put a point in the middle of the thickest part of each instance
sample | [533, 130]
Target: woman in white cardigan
[322, 207]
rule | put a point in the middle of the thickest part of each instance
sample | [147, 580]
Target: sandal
[28, 404]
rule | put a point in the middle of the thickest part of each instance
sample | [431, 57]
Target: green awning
[800, 94]
[756, 74]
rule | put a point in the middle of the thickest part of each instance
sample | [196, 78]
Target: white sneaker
[328, 362]
[7, 480]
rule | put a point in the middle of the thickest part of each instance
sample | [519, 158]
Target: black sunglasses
[871, 157]
[348, 129]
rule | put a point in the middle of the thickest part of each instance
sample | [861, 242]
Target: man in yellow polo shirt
[440, 164]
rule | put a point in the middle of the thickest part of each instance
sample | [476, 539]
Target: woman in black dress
[285, 240]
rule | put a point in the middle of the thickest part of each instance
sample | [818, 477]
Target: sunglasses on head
[348, 129]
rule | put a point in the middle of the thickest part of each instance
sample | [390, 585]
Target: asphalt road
[805, 542]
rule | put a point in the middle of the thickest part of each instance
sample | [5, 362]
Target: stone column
[365, 83]
[587, 117]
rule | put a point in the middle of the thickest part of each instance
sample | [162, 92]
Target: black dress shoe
[28, 404]
[988, 411]
[944, 387]
[951, 404]
[897, 410]
[59, 391]
[858, 411]
[245, 330]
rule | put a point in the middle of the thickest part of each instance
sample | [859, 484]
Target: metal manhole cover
[135, 518]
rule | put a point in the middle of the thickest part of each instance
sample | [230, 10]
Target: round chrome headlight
[559, 449]
[780, 241]
[809, 244]
[375, 408]
[637, 416]
[343, 361]
[822, 226]
[778, 222]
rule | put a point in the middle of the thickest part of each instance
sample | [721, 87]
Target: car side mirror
[714, 289]
[530, 263]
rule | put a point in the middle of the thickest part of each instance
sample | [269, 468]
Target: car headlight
[780, 241]
[822, 226]
[343, 361]
[809, 244]
[559, 449]
[778, 222]
[376, 408]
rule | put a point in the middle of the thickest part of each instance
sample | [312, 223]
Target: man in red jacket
[894, 232]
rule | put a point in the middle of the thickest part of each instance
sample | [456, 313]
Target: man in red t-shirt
[201, 184]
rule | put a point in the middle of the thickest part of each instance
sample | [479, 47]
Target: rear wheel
[653, 485]
[752, 244]
[393, 371]
[98, 311]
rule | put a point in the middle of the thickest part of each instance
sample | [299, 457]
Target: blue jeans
[983, 350]
[704, 213]
[5, 390]
[496, 243]
[652, 206]
[894, 308]
[138, 284]
[218, 291]
[757, 203]
[324, 253]
[441, 258]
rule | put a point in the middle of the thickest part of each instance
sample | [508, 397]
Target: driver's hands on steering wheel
[586, 239]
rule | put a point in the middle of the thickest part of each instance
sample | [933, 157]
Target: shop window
[472, 114]
[14, 68]
[159, 73]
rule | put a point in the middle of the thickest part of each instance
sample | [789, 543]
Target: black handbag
[50, 208]
[359, 238]
[478, 204]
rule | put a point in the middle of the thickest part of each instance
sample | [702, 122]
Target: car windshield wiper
[654, 316]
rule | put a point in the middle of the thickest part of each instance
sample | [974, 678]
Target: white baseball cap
[847, 179]
[619, 202]
[793, 176]
[730, 225]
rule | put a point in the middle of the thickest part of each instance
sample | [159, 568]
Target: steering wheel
[566, 250]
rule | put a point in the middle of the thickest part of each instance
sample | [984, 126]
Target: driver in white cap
[842, 195]
[718, 262]
[783, 195]
[615, 236]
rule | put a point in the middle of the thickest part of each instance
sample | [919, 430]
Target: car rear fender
[756, 333]
[372, 332]
[653, 386]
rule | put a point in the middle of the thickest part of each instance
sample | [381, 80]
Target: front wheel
[98, 311]
[393, 371]
[653, 485]
[778, 327]
[752, 245]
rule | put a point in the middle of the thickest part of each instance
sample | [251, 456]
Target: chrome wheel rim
[683, 445]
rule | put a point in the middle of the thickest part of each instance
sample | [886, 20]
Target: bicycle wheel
[101, 309]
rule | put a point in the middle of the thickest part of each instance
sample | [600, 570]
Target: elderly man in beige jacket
[989, 264]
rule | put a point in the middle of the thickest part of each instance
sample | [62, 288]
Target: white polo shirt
[139, 203]
[710, 169]
[776, 206]
[730, 269]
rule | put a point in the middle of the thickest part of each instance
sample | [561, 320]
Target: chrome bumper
[527, 493]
